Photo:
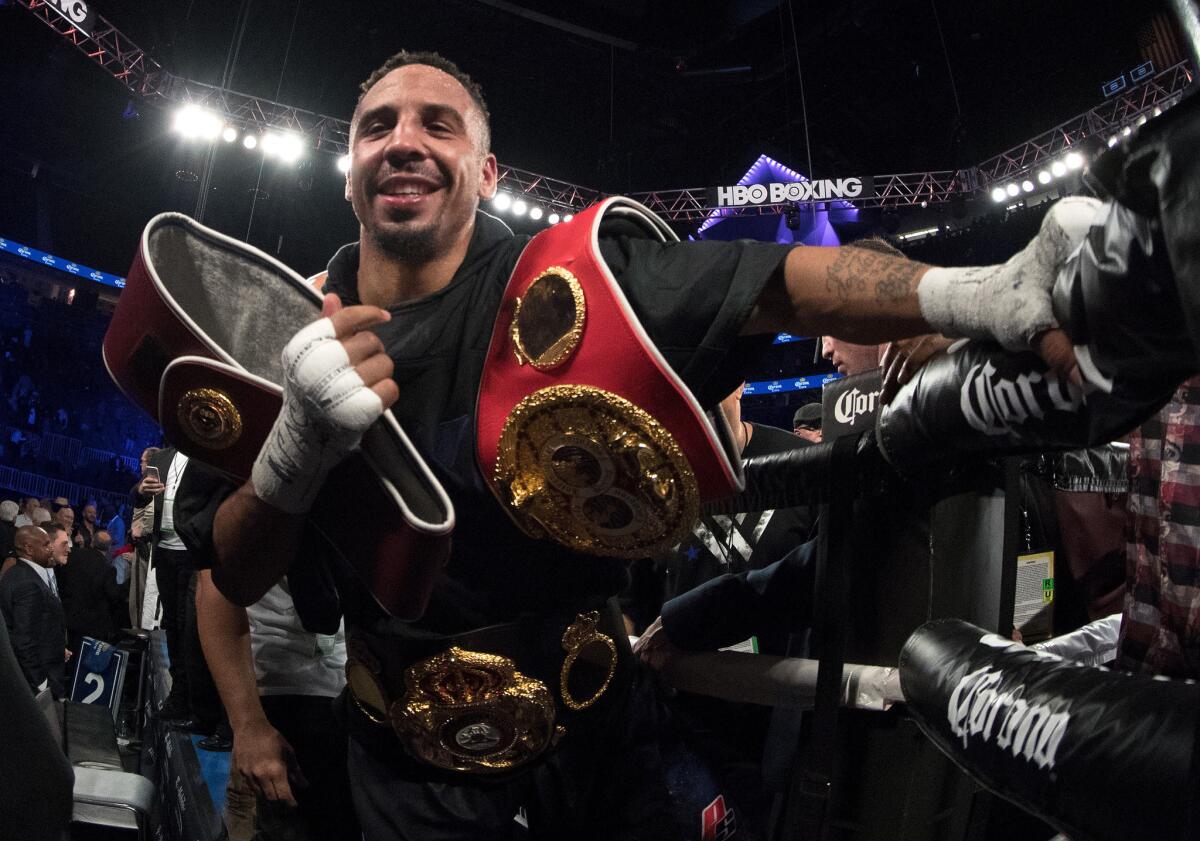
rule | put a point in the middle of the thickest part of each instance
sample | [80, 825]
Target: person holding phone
[193, 698]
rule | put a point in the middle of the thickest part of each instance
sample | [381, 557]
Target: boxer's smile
[417, 169]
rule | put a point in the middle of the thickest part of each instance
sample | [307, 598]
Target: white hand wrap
[1009, 302]
[326, 409]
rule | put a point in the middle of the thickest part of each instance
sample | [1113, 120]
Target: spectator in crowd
[8, 513]
[60, 550]
[1160, 625]
[25, 517]
[33, 613]
[806, 422]
[41, 516]
[85, 528]
[116, 525]
[141, 536]
[193, 696]
[87, 584]
[277, 681]
[64, 514]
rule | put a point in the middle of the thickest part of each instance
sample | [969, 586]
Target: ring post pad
[196, 341]
[584, 432]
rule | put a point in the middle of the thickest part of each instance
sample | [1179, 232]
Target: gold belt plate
[596, 473]
[473, 712]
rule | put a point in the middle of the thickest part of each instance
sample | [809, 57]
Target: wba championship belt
[196, 341]
[585, 434]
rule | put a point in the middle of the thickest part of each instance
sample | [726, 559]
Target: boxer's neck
[387, 281]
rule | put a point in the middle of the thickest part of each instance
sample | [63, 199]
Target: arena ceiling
[613, 94]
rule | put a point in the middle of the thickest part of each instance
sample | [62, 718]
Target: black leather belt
[492, 699]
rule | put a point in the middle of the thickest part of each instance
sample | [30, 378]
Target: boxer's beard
[409, 245]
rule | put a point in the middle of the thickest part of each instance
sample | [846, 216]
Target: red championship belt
[585, 433]
[196, 341]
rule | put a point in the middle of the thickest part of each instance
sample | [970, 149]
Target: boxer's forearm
[254, 544]
[854, 294]
[225, 637]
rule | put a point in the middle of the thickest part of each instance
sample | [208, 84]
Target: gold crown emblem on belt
[475, 712]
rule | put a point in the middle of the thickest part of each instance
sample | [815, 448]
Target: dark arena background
[944, 129]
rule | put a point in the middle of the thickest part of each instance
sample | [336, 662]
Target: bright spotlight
[568, 217]
[1013, 189]
[192, 122]
[1073, 160]
[502, 201]
[250, 141]
[229, 135]
[519, 207]
[998, 194]
[271, 144]
[535, 213]
[1027, 185]
[1058, 169]
[1043, 177]
[1128, 130]
[1112, 141]
[343, 163]
[291, 147]
[552, 218]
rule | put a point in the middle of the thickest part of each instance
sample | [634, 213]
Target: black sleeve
[200, 493]
[693, 298]
[23, 605]
[732, 607]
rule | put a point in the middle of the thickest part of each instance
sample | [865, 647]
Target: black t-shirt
[724, 543]
[692, 299]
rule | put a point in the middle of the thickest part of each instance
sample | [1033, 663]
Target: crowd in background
[60, 414]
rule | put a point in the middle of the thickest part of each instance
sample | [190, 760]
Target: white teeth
[406, 191]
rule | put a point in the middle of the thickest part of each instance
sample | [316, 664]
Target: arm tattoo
[853, 268]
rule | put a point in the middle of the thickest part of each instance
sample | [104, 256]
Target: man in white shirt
[193, 698]
[278, 681]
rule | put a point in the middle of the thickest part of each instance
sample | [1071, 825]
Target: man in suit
[33, 613]
[87, 584]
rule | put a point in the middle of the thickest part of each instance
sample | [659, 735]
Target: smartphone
[152, 473]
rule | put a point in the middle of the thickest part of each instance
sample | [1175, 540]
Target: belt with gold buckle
[490, 700]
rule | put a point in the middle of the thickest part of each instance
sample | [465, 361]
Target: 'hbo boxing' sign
[792, 191]
[79, 13]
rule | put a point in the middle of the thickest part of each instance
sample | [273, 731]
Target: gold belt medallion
[595, 472]
[474, 712]
[209, 418]
[590, 664]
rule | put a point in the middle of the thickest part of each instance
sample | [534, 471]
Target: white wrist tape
[1009, 302]
[326, 409]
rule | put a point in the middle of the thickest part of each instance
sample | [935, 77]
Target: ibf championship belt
[585, 433]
